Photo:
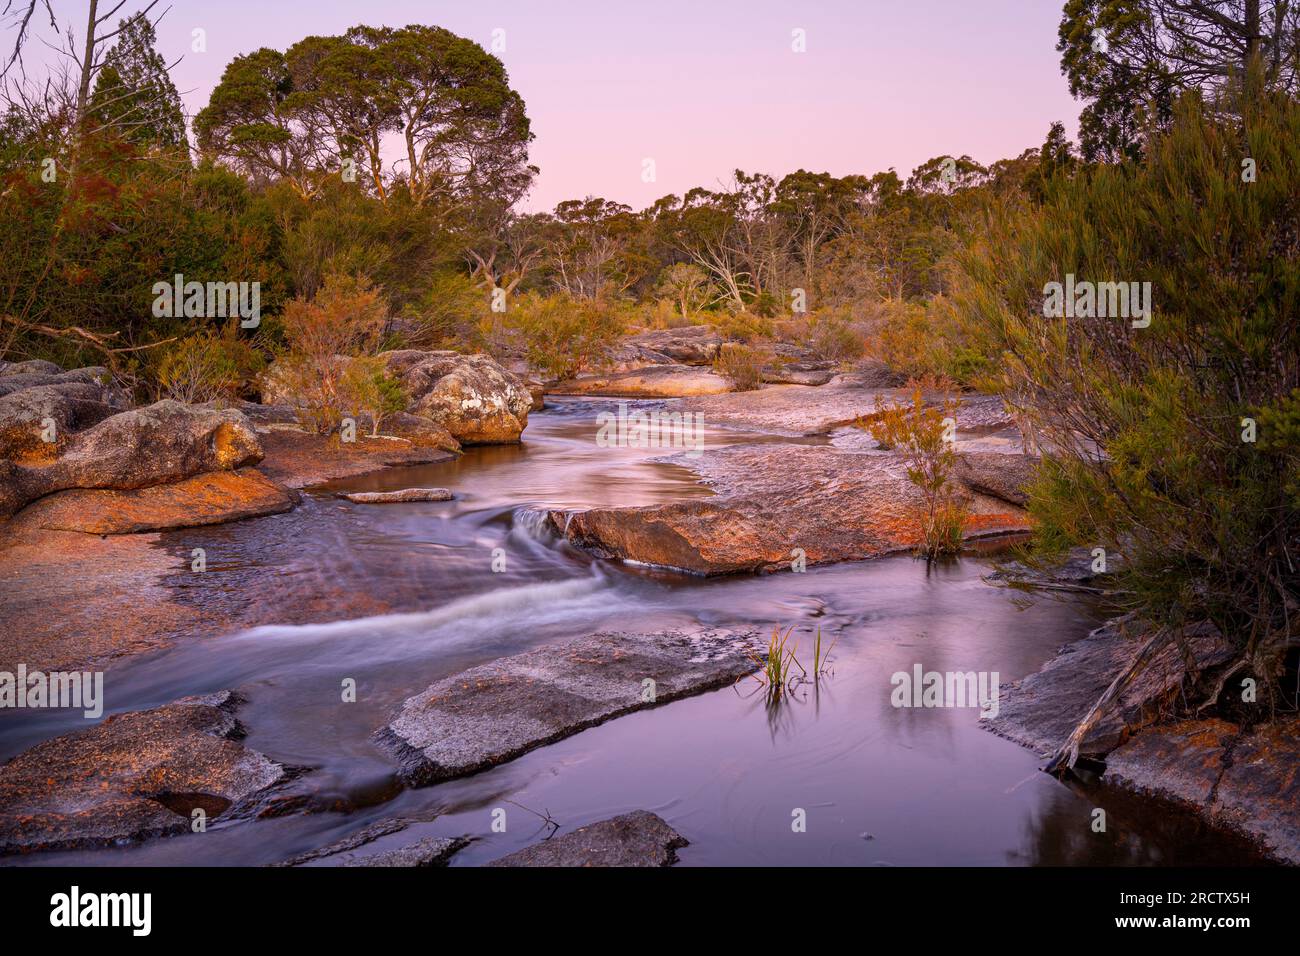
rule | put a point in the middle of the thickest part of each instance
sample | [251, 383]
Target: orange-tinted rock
[210, 498]
[1247, 782]
[165, 442]
[771, 500]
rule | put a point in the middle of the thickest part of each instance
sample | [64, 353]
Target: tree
[251, 124]
[1131, 58]
[134, 93]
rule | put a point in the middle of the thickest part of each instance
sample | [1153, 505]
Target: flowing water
[397, 596]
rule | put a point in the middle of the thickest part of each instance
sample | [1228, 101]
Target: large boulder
[30, 402]
[164, 442]
[471, 396]
[774, 502]
[134, 776]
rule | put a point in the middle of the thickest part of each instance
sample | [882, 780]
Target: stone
[134, 776]
[1004, 476]
[473, 397]
[1244, 781]
[639, 838]
[1043, 709]
[429, 851]
[771, 499]
[406, 494]
[164, 442]
[689, 345]
[487, 715]
[211, 498]
[655, 381]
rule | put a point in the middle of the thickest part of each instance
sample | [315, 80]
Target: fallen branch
[1068, 754]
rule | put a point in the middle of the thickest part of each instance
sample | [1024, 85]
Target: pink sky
[706, 86]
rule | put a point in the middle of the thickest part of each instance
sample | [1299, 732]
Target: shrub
[206, 367]
[917, 432]
[1147, 426]
[345, 319]
[368, 391]
[742, 364]
[560, 335]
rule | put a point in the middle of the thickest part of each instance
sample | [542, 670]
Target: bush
[560, 335]
[917, 432]
[742, 364]
[368, 391]
[345, 319]
[206, 367]
[1148, 427]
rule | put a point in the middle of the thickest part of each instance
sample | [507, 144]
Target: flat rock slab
[1246, 782]
[406, 494]
[490, 714]
[771, 499]
[639, 838]
[1043, 709]
[430, 851]
[134, 776]
[654, 381]
[211, 498]
[796, 410]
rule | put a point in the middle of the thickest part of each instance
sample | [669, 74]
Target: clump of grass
[780, 672]
[821, 658]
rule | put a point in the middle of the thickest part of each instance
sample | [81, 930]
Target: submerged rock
[211, 498]
[406, 494]
[133, 776]
[493, 713]
[429, 851]
[1042, 710]
[1248, 782]
[655, 381]
[774, 503]
[639, 838]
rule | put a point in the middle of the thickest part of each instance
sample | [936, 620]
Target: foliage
[1148, 455]
[919, 433]
[560, 335]
[368, 391]
[207, 366]
[345, 319]
[741, 364]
